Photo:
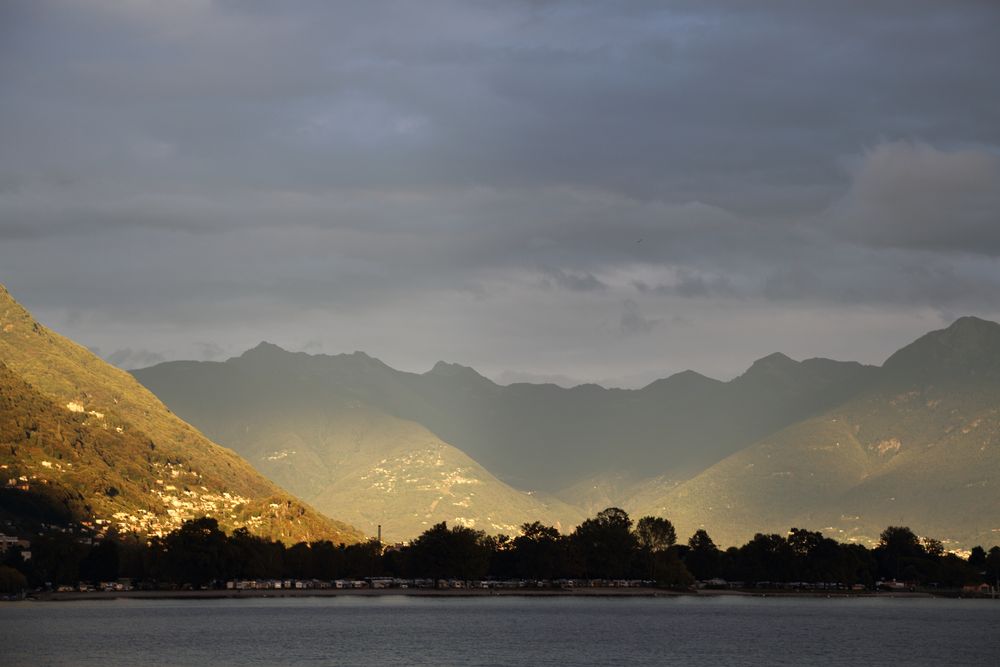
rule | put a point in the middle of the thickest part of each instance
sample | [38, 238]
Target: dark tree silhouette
[101, 563]
[540, 552]
[605, 547]
[441, 553]
[703, 559]
[766, 558]
[898, 553]
[606, 543]
[197, 553]
[655, 533]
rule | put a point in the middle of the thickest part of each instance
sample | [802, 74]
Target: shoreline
[454, 593]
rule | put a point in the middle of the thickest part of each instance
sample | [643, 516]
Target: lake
[400, 630]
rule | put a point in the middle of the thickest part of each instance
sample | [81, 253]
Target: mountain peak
[7, 301]
[263, 350]
[684, 380]
[970, 324]
[775, 362]
[969, 346]
[965, 332]
[776, 359]
[446, 369]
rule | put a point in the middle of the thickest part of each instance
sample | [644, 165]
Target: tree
[669, 569]
[655, 537]
[197, 553]
[819, 558]
[101, 564]
[655, 534]
[977, 557]
[932, 547]
[993, 566]
[538, 551]
[766, 558]
[363, 559]
[440, 553]
[537, 531]
[55, 559]
[901, 541]
[12, 582]
[899, 553]
[606, 543]
[254, 557]
[327, 560]
[858, 564]
[804, 542]
[703, 558]
[297, 561]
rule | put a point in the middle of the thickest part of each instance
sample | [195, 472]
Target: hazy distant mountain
[833, 445]
[336, 429]
[546, 437]
[596, 493]
[82, 440]
[920, 446]
[543, 437]
[342, 455]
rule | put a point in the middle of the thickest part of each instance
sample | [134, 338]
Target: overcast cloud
[555, 190]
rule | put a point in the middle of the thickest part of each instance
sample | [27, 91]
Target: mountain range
[838, 446]
[835, 446]
[918, 445]
[342, 454]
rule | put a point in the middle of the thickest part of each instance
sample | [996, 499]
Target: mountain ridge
[77, 382]
[675, 447]
[348, 458]
[430, 397]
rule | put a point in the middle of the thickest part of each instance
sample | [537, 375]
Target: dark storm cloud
[692, 285]
[585, 282]
[912, 196]
[646, 101]
[633, 322]
[222, 170]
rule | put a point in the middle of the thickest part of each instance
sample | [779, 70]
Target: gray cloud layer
[552, 188]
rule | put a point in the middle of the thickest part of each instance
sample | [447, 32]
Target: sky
[545, 191]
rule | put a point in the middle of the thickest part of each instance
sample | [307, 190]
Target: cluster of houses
[183, 497]
[180, 492]
[22, 483]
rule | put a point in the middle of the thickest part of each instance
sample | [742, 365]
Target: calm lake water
[396, 630]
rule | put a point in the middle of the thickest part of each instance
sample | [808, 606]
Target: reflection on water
[397, 630]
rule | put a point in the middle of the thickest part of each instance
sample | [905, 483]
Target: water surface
[397, 630]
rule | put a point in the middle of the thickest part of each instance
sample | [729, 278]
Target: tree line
[607, 546]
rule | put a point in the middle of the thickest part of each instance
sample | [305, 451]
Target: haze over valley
[833, 446]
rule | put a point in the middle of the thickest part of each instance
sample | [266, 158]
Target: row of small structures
[384, 583]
